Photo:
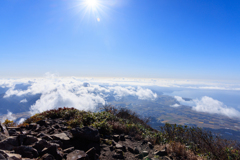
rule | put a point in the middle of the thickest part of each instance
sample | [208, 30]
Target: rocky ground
[52, 139]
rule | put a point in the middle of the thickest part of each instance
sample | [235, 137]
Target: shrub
[9, 123]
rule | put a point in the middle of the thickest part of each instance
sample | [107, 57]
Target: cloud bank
[208, 105]
[72, 92]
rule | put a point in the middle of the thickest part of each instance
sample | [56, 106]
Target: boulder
[29, 140]
[9, 143]
[160, 153]
[43, 123]
[92, 153]
[116, 137]
[60, 136]
[119, 146]
[150, 145]
[26, 151]
[68, 150]
[47, 157]
[86, 133]
[14, 156]
[4, 129]
[53, 150]
[3, 136]
[41, 144]
[77, 155]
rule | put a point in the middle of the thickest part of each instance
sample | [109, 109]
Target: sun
[91, 3]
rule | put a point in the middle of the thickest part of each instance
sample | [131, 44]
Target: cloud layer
[72, 92]
[208, 105]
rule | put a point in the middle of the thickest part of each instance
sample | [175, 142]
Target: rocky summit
[70, 134]
[51, 139]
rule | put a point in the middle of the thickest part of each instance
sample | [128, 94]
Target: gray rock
[14, 156]
[53, 150]
[150, 145]
[9, 143]
[26, 151]
[41, 144]
[118, 156]
[92, 153]
[29, 140]
[3, 136]
[86, 133]
[145, 153]
[4, 129]
[68, 150]
[136, 151]
[119, 146]
[77, 155]
[60, 136]
[160, 153]
[47, 157]
[116, 138]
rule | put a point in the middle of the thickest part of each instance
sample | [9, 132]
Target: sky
[174, 39]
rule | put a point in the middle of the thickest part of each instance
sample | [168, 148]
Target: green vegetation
[183, 140]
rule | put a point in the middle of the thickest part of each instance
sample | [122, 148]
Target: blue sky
[134, 38]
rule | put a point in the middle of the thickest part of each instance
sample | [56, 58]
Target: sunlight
[92, 3]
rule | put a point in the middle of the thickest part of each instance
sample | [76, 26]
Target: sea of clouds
[87, 93]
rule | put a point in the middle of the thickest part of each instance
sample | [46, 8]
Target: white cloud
[209, 105]
[9, 116]
[72, 92]
[21, 120]
[24, 101]
[175, 105]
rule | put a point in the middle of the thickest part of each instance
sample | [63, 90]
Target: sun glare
[92, 3]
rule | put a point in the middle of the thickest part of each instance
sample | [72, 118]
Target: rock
[116, 138]
[166, 158]
[41, 144]
[119, 151]
[53, 150]
[26, 151]
[118, 156]
[32, 126]
[3, 154]
[130, 149]
[9, 143]
[48, 138]
[68, 150]
[139, 156]
[56, 126]
[60, 136]
[2, 136]
[144, 142]
[43, 123]
[58, 142]
[145, 153]
[41, 135]
[150, 145]
[122, 137]
[136, 151]
[119, 146]
[147, 158]
[77, 155]
[86, 133]
[29, 140]
[47, 157]
[21, 138]
[12, 132]
[13, 156]
[4, 129]
[160, 153]
[92, 153]
[2, 157]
